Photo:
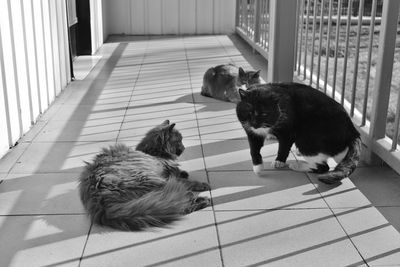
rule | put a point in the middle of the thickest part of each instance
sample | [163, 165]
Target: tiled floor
[282, 218]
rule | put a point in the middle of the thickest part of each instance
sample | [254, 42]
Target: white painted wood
[31, 57]
[137, 19]
[20, 64]
[281, 50]
[34, 61]
[187, 14]
[205, 16]
[154, 17]
[170, 15]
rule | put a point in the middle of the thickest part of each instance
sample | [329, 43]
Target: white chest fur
[263, 132]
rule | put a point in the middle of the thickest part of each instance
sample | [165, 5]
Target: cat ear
[242, 94]
[241, 72]
[165, 123]
[171, 127]
[257, 74]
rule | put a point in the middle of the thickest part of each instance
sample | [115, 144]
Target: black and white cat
[223, 81]
[298, 114]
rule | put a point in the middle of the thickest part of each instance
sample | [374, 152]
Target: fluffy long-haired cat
[296, 113]
[222, 82]
[133, 189]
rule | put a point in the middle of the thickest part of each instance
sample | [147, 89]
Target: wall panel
[170, 17]
[34, 61]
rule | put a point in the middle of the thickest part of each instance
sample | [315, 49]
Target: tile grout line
[338, 221]
[203, 156]
[133, 89]
[84, 245]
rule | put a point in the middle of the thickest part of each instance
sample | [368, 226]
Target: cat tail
[156, 208]
[208, 76]
[346, 166]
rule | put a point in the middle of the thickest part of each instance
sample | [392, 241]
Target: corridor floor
[281, 218]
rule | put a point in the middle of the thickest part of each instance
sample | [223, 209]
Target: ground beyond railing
[348, 55]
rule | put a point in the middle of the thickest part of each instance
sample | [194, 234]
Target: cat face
[162, 140]
[257, 110]
[248, 78]
[171, 139]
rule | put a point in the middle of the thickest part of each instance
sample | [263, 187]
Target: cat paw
[184, 174]
[278, 164]
[299, 166]
[198, 203]
[199, 186]
[258, 168]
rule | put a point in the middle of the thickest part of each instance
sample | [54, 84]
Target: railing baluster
[356, 59]
[328, 42]
[296, 41]
[257, 10]
[396, 124]
[321, 27]
[301, 34]
[370, 46]
[346, 49]
[306, 41]
[313, 41]
[339, 10]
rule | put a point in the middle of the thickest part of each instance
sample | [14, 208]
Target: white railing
[347, 49]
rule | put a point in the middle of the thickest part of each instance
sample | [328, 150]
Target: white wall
[139, 17]
[34, 63]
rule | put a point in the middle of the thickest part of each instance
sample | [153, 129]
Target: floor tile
[376, 240]
[134, 127]
[343, 195]
[68, 131]
[57, 157]
[243, 190]
[381, 185]
[56, 240]
[12, 156]
[392, 215]
[284, 238]
[30, 194]
[231, 155]
[191, 159]
[189, 242]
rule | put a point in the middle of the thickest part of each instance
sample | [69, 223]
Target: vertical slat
[257, 24]
[27, 65]
[356, 59]
[15, 70]
[66, 42]
[45, 58]
[346, 49]
[296, 37]
[5, 93]
[306, 41]
[370, 46]
[339, 10]
[396, 124]
[328, 44]
[313, 41]
[384, 69]
[301, 35]
[321, 27]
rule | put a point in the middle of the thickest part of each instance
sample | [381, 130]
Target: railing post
[384, 69]
[257, 24]
[282, 32]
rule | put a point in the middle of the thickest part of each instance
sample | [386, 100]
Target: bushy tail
[156, 208]
[346, 166]
[208, 76]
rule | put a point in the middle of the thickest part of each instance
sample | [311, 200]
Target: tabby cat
[133, 189]
[298, 114]
[222, 82]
